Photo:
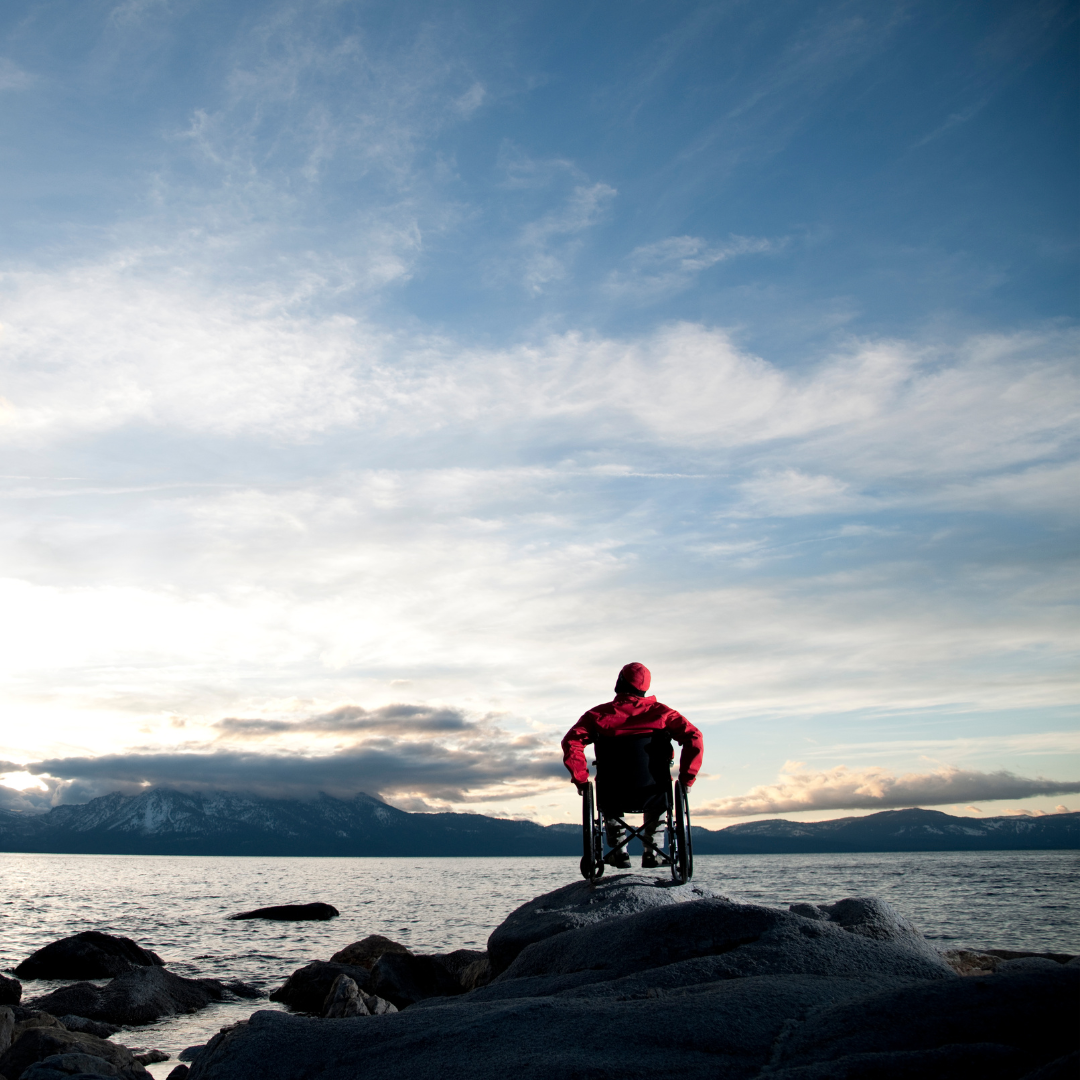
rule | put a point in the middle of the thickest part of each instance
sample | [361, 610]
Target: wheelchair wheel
[592, 836]
[682, 865]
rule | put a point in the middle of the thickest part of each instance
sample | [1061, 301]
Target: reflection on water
[177, 906]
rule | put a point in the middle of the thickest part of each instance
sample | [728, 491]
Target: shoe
[619, 859]
[649, 861]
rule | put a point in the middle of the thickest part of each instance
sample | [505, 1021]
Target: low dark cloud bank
[379, 767]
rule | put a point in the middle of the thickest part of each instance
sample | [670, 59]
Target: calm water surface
[177, 906]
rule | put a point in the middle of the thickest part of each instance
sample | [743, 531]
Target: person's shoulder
[667, 710]
[605, 708]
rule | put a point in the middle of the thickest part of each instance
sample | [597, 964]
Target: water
[1025, 900]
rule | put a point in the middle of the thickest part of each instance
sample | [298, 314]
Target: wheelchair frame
[679, 855]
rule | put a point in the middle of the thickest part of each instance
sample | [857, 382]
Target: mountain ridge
[164, 821]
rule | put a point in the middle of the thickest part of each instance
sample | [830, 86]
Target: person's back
[632, 713]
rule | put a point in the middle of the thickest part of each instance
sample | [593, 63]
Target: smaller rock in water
[1025, 964]
[91, 1027]
[344, 999]
[151, 1057]
[970, 962]
[291, 913]
[33, 1018]
[181, 1072]
[38, 1044]
[405, 980]
[190, 1053]
[10, 991]
[365, 952]
[306, 988]
[243, 990]
[89, 955]
[69, 1065]
[477, 974]
[138, 997]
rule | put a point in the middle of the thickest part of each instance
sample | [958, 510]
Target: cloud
[13, 77]
[499, 769]
[842, 788]
[356, 720]
[551, 241]
[668, 266]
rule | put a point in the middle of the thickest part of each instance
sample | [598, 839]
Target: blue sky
[378, 378]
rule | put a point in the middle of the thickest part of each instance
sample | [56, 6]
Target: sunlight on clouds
[842, 788]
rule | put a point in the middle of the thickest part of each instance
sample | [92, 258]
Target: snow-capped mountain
[167, 822]
[164, 821]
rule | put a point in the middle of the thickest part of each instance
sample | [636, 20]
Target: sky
[376, 379]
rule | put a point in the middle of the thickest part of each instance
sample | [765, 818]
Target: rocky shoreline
[631, 978]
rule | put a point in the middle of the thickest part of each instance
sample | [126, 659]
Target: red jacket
[632, 715]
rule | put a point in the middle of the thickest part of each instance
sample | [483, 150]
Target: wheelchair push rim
[682, 865]
[592, 857]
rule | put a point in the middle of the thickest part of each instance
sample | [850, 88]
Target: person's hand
[686, 781]
[581, 785]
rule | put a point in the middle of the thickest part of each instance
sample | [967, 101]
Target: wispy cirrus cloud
[654, 271]
[550, 243]
[876, 788]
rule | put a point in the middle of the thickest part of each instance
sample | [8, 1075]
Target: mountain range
[162, 821]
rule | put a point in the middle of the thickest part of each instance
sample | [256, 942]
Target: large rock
[37, 1044]
[89, 955]
[405, 979]
[803, 1027]
[138, 997]
[291, 913]
[365, 952]
[578, 905]
[738, 940]
[10, 991]
[306, 988]
[726, 1032]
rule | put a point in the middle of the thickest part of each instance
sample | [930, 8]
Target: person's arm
[573, 746]
[692, 743]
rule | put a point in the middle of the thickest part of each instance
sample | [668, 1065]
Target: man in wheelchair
[632, 737]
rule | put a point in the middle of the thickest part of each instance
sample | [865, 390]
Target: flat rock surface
[1035, 1013]
[727, 1032]
[140, 996]
[89, 955]
[580, 904]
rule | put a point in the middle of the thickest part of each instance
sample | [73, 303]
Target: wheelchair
[633, 775]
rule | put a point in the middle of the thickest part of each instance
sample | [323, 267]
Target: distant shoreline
[163, 821]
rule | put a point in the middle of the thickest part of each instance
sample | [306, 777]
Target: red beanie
[636, 675]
